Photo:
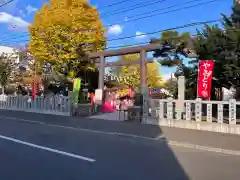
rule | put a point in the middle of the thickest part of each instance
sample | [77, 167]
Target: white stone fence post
[217, 116]
[47, 105]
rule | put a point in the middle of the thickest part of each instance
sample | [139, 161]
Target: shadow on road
[118, 157]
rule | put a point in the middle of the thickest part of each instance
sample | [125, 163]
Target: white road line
[47, 149]
[204, 148]
[160, 138]
[79, 129]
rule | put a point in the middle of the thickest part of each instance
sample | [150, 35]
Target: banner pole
[197, 78]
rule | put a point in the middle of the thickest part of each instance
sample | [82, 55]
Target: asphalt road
[37, 151]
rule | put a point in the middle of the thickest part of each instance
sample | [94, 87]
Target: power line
[177, 37]
[168, 29]
[4, 4]
[114, 4]
[133, 7]
[102, 7]
[167, 12]
[179, 9]
[150, 33]
[166, 8]
[145, 43]
[155, 32]
[127, 45]
[18, 41]
[17, 37]
[144, 4]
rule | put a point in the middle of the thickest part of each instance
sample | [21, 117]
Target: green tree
[232, 45]
[174, 45]
[222, 46]
[63, 32]
[173, 38]
[212, 43]
[6, 67]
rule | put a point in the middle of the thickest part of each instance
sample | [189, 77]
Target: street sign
[98, 96]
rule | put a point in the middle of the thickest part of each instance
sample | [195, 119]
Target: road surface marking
[80, 129]
[47, 149]
[160, 138]
[204, 148]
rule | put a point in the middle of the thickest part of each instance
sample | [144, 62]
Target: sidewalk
[203, 138]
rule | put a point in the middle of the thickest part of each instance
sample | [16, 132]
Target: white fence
[46, 105]
[217, 116]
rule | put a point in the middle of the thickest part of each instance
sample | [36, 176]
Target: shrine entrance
[101, 64]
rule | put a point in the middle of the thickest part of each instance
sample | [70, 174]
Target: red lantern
[150, 92]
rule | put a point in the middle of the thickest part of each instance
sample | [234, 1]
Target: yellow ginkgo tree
[62, 33]
[130, 75]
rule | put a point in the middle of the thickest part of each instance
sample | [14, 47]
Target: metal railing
[58, 105]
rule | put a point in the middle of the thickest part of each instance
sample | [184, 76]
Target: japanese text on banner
[205, 78]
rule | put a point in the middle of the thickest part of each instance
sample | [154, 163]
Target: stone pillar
[144, 86]
[232, 111]
[101, 73]
[198, 110]
[181, 97]
[99, 91]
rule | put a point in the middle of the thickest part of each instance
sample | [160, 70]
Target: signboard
[98, 96]
[205, 79]
[76, 88]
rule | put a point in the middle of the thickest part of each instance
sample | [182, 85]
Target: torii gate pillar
[101, 73]
[99, 91]
[144, 85]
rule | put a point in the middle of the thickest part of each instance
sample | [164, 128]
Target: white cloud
[13, 21]
[27, 11]
[126, 19]
[140, 35]
[115, 29]
[30, 9]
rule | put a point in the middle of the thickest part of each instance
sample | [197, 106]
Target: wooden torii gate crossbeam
[142, 50]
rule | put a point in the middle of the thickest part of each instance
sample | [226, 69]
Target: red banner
[35, 88]
[205, 78]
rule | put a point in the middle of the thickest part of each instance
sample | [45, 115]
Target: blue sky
[15, 17]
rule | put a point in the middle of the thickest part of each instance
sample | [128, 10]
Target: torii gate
[142, 50]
